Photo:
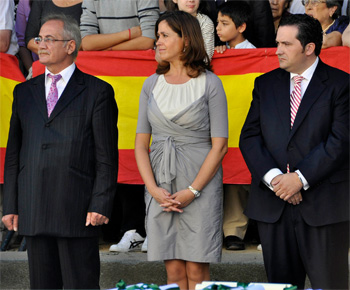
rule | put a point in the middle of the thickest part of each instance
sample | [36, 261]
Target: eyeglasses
[312, 2]
[48, 40]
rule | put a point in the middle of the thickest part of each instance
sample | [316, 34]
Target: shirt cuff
[271, 174]
[306, 185]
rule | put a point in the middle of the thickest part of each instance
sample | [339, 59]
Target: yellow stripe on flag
[127, 93]
[238, 90]
[7, 86]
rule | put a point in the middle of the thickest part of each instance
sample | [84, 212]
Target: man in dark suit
[295, 142]
[61, 163]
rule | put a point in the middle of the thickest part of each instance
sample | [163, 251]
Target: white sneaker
[144, 246]
[259, 248]
[130, 242]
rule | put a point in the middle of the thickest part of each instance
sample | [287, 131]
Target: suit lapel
[74, 87]
[38, 91]
[312, 93]
[282, 98]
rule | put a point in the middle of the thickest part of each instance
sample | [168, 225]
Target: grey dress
[178, 150]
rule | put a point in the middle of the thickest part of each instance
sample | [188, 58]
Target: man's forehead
[51, 27]
[287, 33]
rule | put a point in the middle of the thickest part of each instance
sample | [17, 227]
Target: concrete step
[242, 266]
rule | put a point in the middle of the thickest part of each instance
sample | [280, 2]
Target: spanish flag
[127, 70]
[10, 76]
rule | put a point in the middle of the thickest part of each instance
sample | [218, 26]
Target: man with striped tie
[295, 142]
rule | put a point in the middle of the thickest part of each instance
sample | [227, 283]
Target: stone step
[133, 267]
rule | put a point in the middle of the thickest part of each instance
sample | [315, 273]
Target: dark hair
[332, 3]
[71, 29]
[203, 6]
[309, 29]
[194, 55]
[238, 11]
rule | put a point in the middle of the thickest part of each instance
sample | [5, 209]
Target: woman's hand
[164, 198]
[179, 200]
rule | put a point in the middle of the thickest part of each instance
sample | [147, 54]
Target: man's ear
[310, 48]
[175, 1]
[71, 46]
[242, 28]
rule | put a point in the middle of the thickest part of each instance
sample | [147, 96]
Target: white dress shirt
[307, 76]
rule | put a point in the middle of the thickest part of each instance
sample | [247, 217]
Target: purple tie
[52, 97]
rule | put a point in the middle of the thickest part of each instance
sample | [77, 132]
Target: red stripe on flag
[235, 169]
[142, 63]
[9, 67]
[125, 63]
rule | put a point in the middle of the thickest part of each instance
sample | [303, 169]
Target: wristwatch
[194, 191]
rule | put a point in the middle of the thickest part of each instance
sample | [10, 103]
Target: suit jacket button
[44, 146]
[290, 148]
[47, 125]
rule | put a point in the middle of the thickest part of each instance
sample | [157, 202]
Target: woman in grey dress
[183, 107]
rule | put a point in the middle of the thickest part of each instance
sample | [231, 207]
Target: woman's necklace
[325, 30]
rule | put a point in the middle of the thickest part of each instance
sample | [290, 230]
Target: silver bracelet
[194, 191]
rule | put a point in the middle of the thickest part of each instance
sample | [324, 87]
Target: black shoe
[234, 243]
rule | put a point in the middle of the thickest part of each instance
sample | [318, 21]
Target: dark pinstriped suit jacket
[59, 168]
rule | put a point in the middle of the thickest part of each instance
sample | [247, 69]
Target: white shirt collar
[307, 74]
[66, 73]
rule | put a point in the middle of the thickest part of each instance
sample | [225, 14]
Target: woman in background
[327, 12]
[279, 10]
[183, 107]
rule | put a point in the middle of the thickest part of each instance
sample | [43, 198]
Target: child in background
[232, 22]
[197, 8]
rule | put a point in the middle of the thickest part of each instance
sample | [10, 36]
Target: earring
[184, 50]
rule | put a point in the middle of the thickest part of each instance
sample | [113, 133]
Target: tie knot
[298, 79]
[54, 78]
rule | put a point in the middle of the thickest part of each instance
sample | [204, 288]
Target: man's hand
[11, 222]
[286, 185]
[296, 198]
[96, 219]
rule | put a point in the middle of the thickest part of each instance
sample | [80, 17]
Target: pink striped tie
[295, 99]
[52, 97]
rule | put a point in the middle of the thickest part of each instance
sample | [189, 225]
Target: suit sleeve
[105, 135]
[256, 155]
[10, 205]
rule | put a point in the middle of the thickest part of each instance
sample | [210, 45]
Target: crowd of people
[183, 110]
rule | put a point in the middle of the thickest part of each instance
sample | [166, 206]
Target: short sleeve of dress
[143, 125]
[217, 107]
